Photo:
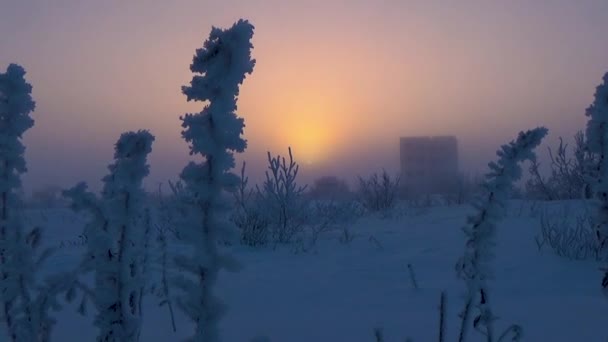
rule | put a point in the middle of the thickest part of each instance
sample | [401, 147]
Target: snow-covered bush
[378, 193]
[474, 266]
[282, 199]
[16, 260]
[597, 142]
[569, 176]
[214, 134]
[25, 303]
[116, 244]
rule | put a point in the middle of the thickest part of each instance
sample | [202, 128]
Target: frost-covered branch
[215, 134]
[24, 303]
[597, 142]
[474, 266]
[117, 238]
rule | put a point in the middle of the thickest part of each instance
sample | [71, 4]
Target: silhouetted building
[429, 164]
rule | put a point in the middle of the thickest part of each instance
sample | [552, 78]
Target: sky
[338, 81]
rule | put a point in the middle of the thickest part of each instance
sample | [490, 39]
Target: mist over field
[338, 81]
[318, 171]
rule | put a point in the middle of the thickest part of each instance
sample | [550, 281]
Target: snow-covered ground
[342, 291]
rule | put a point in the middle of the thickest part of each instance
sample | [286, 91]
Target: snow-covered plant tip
[16, 104]
[25, 303]
[215, 134]
[597, 142]
[474, 266]
[16, 262]
[116, 239]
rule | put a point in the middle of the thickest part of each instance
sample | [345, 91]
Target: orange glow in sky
[338, 81]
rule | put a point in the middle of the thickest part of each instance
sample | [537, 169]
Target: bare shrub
[164, 219]
[378, 193]
[284, 205]
[163, 292]
[253, 225]
[570, 236]
[569, 174]
[169, 209]
[248, 215]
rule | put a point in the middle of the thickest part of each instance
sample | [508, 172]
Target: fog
[338, 81]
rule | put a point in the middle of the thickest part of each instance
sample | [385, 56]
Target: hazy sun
[310, 142]
[309, 129]
[307, 117]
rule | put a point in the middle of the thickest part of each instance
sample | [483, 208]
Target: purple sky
[339, 81]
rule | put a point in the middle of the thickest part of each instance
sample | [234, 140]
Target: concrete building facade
[429, 164]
